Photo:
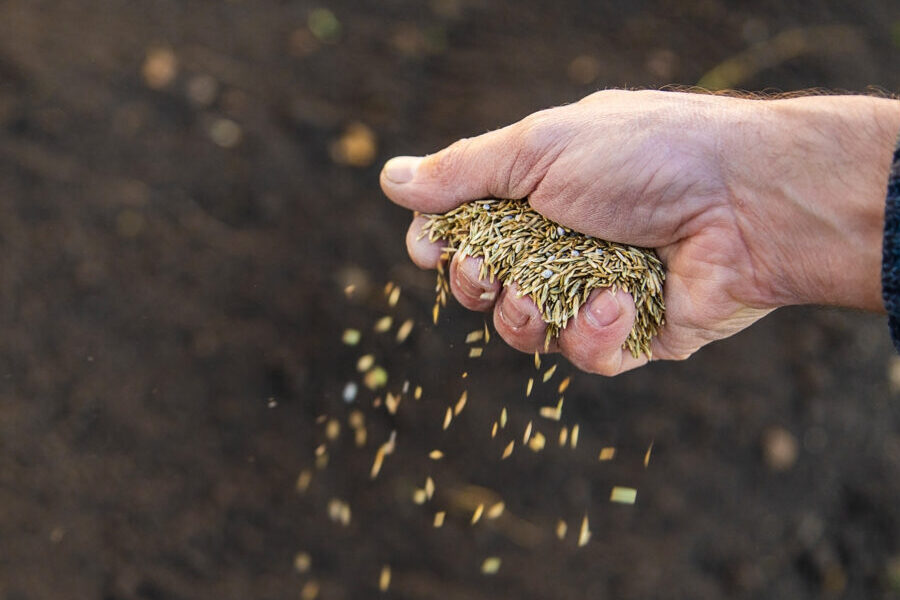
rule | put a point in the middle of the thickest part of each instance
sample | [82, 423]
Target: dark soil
[172, 311]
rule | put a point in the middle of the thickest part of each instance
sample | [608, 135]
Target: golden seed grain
[309, 591]
[563, 436]
[303, 481]
[491, 565]
[549, 373]
[439, 518]
[435, 455]
[537, 360]
[429, 487]
[607, 453]
[332, 429]
[494, 430]
[573, 438]
[495, 511]
[419, 496]
[561, 529]
[461, 403]
[584, 535]
[365, 363]
[404, 330]
[302, 562]
[383, 324]
[529, 386]
[476, 516]
[417, 394]
[623, 495]
[384, 580]
[448, 417]
[564, 385]
[527, 434]
[508, 450]
[394, 297]
[376, 378]
[537, 442]
[647, 455]
[475, 352]
[475, 336]
[351, 337]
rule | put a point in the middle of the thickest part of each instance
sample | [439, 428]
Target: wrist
[811, 202]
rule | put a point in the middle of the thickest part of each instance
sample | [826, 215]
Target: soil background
[178, 221]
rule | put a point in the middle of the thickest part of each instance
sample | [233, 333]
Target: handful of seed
[557, 267]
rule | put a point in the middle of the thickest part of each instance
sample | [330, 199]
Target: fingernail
[401, 169]
[603, 310]
[470, 285]
[511, 314]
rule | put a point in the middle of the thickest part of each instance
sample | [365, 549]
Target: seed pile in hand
[557, 267]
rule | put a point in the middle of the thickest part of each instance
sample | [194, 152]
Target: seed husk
[564, 385]
[495, 511]
[302, 562]
[555, 266]
[561, 529]
[476, 516]
[460, 404]
[529, 386]
[647, 455]
[623, 495]
[549, 373]
[384, 580]
[476, 352]
[365, 363]
[435, 455]
[607, 453]
[404, 330]
[394, 297]
[508, 450]
[573, 438]
[448, 417]
[475, 336]
[439, 518]
[351, 337]
[584, 535]
[383, 324]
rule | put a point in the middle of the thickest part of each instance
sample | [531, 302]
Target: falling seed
[376, 378]
[537, 442]
[351, 337]
[377, 463]
[537, 360]
[365, 363]
[332, 429]
[404, 330]
[321, 419]
[460, 404]
[564, 385]
[563, 436]
[339, 511]
[356, 419]
[487, 333]
[573, 439]
[561, 529]
[417, 394]
[508, 450]
[434, 313]
[549, 373]
[448, 416]
[324, 25]
[321, 449]
[392, 402]
[388, 287]
[527, 434]
[348, 291]
[550, 412]
[322, 461]
[494, 430]
[623, 495]
[503, 418]
[476, 516]
[491, 565]
[302, 562]
[359, 437]
[439, 518]
[309, 591]
[383, 324]
[384, 580]
[647, 455]
[394, 297]
[349, 392]
[607, 453]
[475, 352]
[405, 388]
[435, 455]
[429, 487]
[419, 496]
[475, 336]
[584, 535]
[303, 481]
[160, 67]
[495, 511]
[464, 375]
[529, 386]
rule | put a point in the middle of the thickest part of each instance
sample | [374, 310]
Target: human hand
[750, 204]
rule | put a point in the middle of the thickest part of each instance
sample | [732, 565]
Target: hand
[751, 204]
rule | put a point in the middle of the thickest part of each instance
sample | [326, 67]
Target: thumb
[506, 163]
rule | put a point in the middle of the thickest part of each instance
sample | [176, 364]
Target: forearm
[813, 197]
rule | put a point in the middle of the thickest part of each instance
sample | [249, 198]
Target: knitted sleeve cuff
[890, 263]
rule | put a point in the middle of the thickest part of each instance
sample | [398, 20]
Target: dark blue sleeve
[890, 262]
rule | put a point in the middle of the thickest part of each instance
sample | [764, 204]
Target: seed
[460, 404]
[491, 565]
[529, 386]
[435, 455]
[563, 385]
[508, 450]
[487, 332]
[476, 516]
[322, 461]
[573, 439]
[550, 412]
[494, 430]
[365, 363]
[351, 337]
[417, 394]
[388, 287]
[429, 487]
[332, 429]
[439, 518]
[303, 481]
[384, 580]
[503, 418]
[475, 352]
[647, 455]
[383, 324]
[561, 529]
[537, 442]
[495, 510]
[448, 417]
[392, 402]
[549, 373]
[321, 449]
[584, 535]
[394, 297]
[339, 511]
[359, 437]
[563, 436]
[527, 435]
[434, 313]
[376, 378]
[309, 591]
[475, 336]
[302, 562]
[404, 330]
[607, 453]
[537, 360]
[348, 291]
[349, 392]
[377, 463]
[623, 495]
[464, 375]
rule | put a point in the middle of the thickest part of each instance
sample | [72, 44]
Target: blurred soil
[187, 187]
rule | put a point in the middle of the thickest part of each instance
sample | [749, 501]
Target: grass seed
[584, 535]
[508, 450]
[495, 510]
[384, 579]
[439, 518]
[549, 373]
[561, 529]
[491, 565]
[404, 330]
[623, 495]
[461, 403]
[351, 337]
[647, 455]
[383, 324]
[435, 455]
[607, 453]
[476, 516]
[475, 352]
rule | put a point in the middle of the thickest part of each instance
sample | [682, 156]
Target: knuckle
[446, 165]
